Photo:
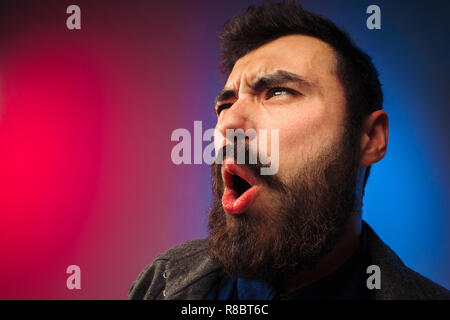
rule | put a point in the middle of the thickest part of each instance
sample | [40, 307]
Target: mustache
[271, 181]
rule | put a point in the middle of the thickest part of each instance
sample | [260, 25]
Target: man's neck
[342, 251]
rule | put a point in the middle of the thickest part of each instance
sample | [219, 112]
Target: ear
[374, 138]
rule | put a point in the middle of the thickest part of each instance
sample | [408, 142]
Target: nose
[238, 116]
[236, 125]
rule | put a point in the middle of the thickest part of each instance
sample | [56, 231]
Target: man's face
[291, 85]
[310, 120]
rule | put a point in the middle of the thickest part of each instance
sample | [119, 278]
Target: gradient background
[86, 117]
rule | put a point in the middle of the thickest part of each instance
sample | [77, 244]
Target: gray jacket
[186, 272]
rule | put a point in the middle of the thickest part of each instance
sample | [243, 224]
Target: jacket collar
[192, 276]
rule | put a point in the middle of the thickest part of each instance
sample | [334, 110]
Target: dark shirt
[348, 282]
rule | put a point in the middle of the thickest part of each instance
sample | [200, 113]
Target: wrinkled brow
[270, 80]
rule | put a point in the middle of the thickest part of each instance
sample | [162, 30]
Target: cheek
[304, 139]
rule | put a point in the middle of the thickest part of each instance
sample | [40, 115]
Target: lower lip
[234, 204]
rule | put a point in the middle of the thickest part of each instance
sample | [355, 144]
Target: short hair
[272, 20]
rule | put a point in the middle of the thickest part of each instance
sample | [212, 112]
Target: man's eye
[222, 107]
[280, 91]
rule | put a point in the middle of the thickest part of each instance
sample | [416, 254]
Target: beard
[290, 233]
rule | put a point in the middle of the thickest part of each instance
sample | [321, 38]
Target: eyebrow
[277, 78]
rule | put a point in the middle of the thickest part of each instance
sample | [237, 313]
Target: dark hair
[355, 70]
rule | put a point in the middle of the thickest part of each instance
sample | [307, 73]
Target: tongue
[234, 204]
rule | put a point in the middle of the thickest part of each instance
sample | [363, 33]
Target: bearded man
[297, 234]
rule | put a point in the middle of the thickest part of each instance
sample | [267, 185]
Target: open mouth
[240, 185]
[241, 188]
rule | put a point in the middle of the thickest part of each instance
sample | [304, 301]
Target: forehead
[306, 56]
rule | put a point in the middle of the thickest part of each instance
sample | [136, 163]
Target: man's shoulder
[397, 280]
[184, 271]
[429, 288]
